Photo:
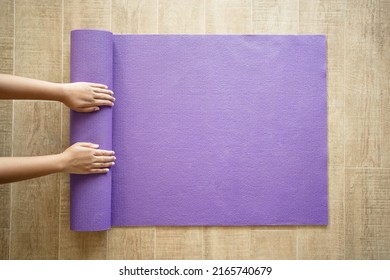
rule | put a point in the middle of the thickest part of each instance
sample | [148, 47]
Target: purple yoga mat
[207, 130]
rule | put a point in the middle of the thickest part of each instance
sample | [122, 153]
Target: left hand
[86, 97]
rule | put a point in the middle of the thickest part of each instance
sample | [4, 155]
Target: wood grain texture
[6, 36]
[38, 41]
[37, 130]
[6, 109]
[181, 17]
[138, 16]
[131, 243]
[90, 14]
[179, 243]
[78, 245]
[228, 16]
[358, 128]
[227, 243]
[273, 244]
[327, 17]
[367, 87]
[367, 214]
[5, 206]
[4, 243]
[275, 16]
[35, 203]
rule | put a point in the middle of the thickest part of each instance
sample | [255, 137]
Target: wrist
[61, 162]
[62, 92]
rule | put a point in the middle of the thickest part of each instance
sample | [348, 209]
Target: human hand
[86, 97]
[86, 158]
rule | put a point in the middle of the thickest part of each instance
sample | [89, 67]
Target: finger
[104, 96]
[104, 153]
[98, 85]
[103, 91]
[99, 170]
[102, 164]
[88, 109]
[100, 102]
[105, 159]
[88, 145]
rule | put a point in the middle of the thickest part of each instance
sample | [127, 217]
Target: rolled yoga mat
[223, 130]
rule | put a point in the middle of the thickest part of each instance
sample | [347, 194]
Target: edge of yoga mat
[90, 195]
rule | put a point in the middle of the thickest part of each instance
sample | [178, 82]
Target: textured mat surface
[207, 130]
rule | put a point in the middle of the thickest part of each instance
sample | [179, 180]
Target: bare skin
[80, 97]
[80, 158]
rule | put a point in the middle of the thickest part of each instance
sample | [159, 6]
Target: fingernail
[112, 92]
[96, 145]
[113, 152]
[112, 163]
[114, 158]
[97, 109]
[113, 99]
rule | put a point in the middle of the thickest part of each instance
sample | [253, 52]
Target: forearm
[14, 87]
[13, 169]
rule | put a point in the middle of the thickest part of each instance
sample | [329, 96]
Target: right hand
[86, 158]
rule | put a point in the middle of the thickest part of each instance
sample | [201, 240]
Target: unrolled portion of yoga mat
[213, 130]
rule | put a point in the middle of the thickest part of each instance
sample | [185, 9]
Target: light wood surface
[6, 108]
[34, 42]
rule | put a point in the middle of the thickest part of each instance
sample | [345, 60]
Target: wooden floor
[34, 42]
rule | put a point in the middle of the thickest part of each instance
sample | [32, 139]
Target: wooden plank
[275, 16]
[180, 17]
[327, 17]
[227, 243]
[35, 203]
[367, 64]
[5, 128]
[5, 206]
[367, 214]
[37, 39]
[35, 207]
[179, 243]
[131, 243]
[78, 245]
[229, 16]
[91, 14]
[139, 16]
[6, 36]
[4, 243]
[273, 244]
[6, 67]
